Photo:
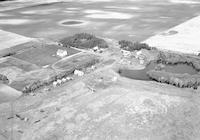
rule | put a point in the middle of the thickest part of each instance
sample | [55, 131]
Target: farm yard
[32, 63]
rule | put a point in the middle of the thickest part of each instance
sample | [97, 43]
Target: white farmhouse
[61, 53]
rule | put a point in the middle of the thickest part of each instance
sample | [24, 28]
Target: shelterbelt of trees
[84, 41]
[76, 65]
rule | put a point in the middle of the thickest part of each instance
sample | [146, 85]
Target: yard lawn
[43, 55]
[76, 62]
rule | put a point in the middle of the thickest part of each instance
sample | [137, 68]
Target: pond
[142, 74]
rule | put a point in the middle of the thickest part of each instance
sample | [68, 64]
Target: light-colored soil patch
[8, 94]
[186, 1]
[14, 21]
[9, 39]
[70, 12]
[123, 7]
[4, 15]
[99, 14]
[73, 8]
[40, 12]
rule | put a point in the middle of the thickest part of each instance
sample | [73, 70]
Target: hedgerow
[130, 46]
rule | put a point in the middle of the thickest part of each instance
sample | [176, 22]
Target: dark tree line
[84, 41]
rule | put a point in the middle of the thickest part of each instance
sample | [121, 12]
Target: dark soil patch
[72, 22]
[172, 32]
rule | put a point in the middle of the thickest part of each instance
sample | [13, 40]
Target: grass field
[30, 77]
[43, 55]
[21, 64]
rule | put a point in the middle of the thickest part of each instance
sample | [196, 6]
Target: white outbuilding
[78, 73]
[64, 80]
[59, 81]
[95, 48]
[69, 78]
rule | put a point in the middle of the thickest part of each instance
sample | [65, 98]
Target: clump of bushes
[4, 79]
[84, 41]
[9, 54]
[178, 80]
[130, 46]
